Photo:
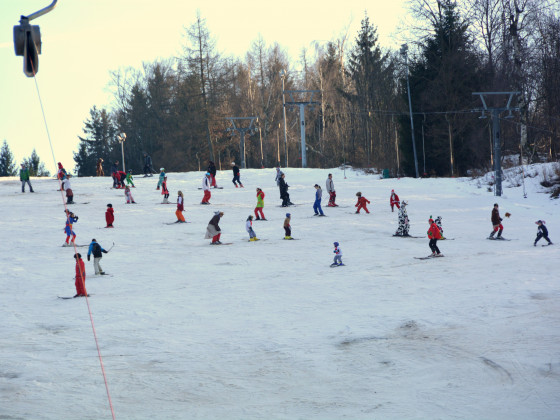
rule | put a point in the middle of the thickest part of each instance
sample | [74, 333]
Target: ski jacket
[66, 184]
[129, 178]
[206, 183]
[235, 170]
[214, 222]
[180, 206]
[212, 169]
[318, 194]
[330, 185]
[337, 251]
[71, 220]
[287, 222]
[80, 269]
[24, 174]
[164, 189]
[543, 230]
[248, 225]
[109, 216]
[260, 199]
[61, 173]
[433, 232]
[362, 202]
[283, 187]
[96, 250]
[121, 175]
[394, 199]
[496, 219]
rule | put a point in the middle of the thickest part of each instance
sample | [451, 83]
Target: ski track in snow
[267, 330]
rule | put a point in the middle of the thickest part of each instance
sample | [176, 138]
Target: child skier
[404, 225]
[249, 228]
[97, 251]
[236, 175]
[542, 232]
[109, 216]
[129, 179]
[180, 208]
[164, 191]
[206, 183]
[213, 230]
[497, 223]
[434, 235]
[362, 203]
[317, 204]
[260, 205]
[69, 194]
[128, 195]
[161, 177]
[71, 218]
[337, 255]
[287, 227]
[394, 200]
[80, 276]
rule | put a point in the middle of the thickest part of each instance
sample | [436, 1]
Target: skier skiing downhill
[260, 205]
[212, 170]
[404, 225]
[542, 232]
[317, 204]
[161, 176]
[249, 229]
[213, 230]
[337, 255]
[394, 200]
[362, 203]
[331, 191]
[97, 251]
[80, 276]
[206, 182]
[288, 227]
[71, 218]
[180, 207]
[109, 216]
[434, 234]
[164, 191]
[497, 223]
[128, 195]
[236, 176]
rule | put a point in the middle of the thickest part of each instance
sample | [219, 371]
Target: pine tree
[35, 166]
[7, 163]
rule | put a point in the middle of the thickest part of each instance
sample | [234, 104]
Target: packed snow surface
[267, 330]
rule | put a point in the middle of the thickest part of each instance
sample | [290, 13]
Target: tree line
[9, 167]
[176, 110]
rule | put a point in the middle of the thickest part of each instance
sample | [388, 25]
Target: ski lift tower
[301, 104]
[242, 131]
[495, 112]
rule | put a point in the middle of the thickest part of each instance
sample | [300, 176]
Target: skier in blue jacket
[337, 255]
[97, 251]
[317, 205]
[542, 232]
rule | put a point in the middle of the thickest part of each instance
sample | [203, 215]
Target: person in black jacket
[284, 191]
[97, 251]
[236, 175]
[148, 165]
[212, 171]
[542, 232]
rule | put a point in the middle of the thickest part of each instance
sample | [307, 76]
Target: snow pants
[207, 195]
[395, 204]
[236, 179]
[317, 207]
[109, 218]
[252, 233]
[23, 185]
[97, 265]
[433, 246]
[362, 206]
[180, 216]
[288, 231]
[216, 238]
[257, 211]
[539, 236]
[213, 180]
[332, 199]
[337, 259]
[81, 285]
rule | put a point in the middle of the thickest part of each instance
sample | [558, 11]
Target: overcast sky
[84, 40]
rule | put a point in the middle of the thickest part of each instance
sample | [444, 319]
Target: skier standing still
[331, 191]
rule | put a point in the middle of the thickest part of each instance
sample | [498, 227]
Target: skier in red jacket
[394, 200]
[434, 234]
[80, 276]
[361, 204]
[109, 216]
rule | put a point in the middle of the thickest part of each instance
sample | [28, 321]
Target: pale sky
[84, 40]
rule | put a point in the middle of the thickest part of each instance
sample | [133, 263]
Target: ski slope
[267, 330]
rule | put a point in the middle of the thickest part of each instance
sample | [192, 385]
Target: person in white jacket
[69, 194]
[331, 191]
[249, 228]
[337, 255]
[206, 184]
